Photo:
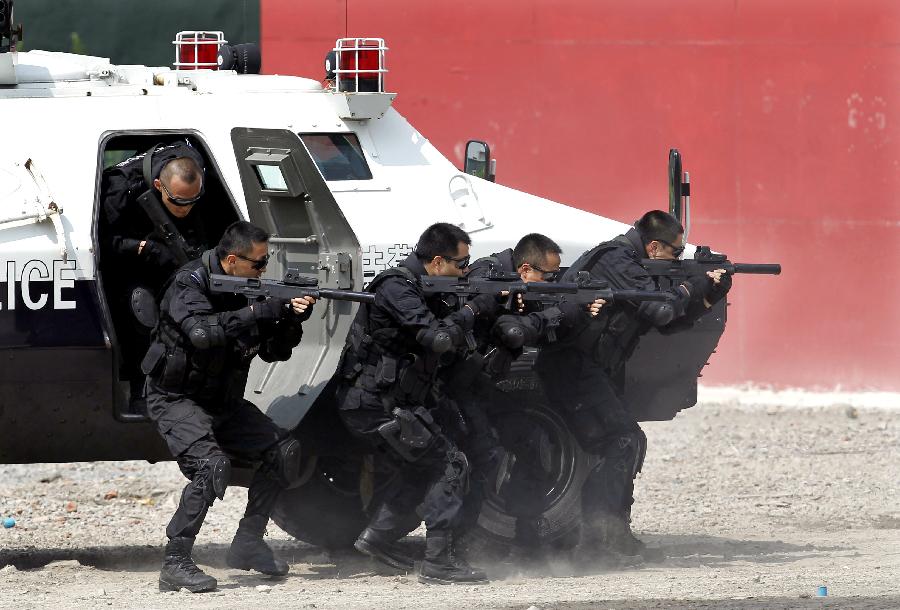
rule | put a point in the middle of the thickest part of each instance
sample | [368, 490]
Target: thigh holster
[411, 433]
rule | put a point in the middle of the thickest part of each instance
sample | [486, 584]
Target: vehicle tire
[534, 496]
[324, 511]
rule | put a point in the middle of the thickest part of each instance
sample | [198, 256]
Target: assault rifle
[293, 285]
[583, 291]
[705, 260]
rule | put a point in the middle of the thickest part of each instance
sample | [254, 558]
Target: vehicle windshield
[338, 155]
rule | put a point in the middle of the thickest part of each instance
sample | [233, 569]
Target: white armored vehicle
[343, 183]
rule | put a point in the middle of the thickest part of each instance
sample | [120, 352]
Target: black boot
[381, 546]
[249, 551]
[179, 570]
[620, 538]
[612, 535]
[442, 567]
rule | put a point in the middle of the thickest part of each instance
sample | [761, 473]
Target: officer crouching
[196, 369]
[388, 396]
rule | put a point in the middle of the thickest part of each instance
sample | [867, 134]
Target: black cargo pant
[467, 419]
[592, 403]
[437, 479]
[196, 437]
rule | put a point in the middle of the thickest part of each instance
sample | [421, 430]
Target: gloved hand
[699, 286]
[497, 362]
[269, 310]
[158, 254]
[484, 304]
[718, 291]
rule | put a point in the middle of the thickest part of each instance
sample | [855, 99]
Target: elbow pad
[204, 332]
[659, 314]
[438, 341]
[513, 332]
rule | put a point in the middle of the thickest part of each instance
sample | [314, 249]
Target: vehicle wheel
[328, 509]
[534, 496]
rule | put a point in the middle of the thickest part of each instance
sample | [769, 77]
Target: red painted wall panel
[784, 112]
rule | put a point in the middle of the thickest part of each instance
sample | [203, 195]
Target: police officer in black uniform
[389, 396]
[535, 258]
[154, 220]
[584, 377]
[197, 368]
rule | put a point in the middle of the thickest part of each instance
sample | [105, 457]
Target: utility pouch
[408, 433]
[155, 356]
[385, 372]
[173, 374]
[412, 385]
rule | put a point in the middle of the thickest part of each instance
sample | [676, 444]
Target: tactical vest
[211, 376]
[498, 261]
[387, 360]
[611, 338]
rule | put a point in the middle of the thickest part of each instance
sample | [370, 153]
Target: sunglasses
[181, 201]
[547, 276]
[461, 263]
[259, 265]
[677, 251]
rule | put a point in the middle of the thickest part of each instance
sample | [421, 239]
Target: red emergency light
[360, 65]
[198, 50]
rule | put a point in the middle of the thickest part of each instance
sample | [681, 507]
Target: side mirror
[478, 160]
[679, 191]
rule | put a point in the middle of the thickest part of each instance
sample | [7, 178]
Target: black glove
[698, 286]
[269, 310]
[484, 304]
[128, 247]
[498, 361]
[718, 291]
[158, 254]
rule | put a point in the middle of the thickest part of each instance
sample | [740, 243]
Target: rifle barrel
[345, 295]
[758, 269]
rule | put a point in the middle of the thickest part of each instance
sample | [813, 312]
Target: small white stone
[263, 588]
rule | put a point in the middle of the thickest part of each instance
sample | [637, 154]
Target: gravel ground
[755, 507]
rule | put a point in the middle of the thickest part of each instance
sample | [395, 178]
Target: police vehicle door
[287, 196]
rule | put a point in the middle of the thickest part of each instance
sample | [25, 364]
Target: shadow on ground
[674, 551]
[342, 563]
[769, 603]
[680, 551]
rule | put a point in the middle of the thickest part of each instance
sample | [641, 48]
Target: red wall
[783, 112]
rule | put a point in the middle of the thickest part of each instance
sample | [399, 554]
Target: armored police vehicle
[344, 184]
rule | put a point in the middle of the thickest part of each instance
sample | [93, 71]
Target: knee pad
[456, 472]
[588, 429]
[631, 447]
[284, 461]
[641, 440]
[213, 477]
